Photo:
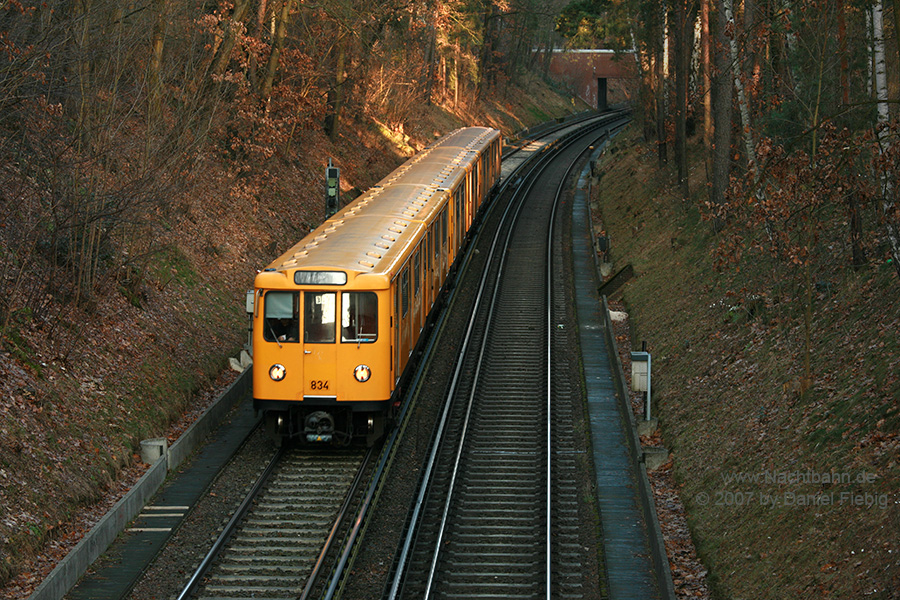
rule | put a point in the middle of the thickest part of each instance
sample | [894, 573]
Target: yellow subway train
[336, 318]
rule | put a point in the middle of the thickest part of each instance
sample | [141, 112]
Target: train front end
[321, 354]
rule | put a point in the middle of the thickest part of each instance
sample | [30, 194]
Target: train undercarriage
[334, 425]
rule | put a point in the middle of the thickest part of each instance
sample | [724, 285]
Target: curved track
[495, 512]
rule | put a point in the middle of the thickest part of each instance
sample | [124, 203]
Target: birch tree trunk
[881, 95]
[743, 104]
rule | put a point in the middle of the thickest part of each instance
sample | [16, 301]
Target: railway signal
[333, 189]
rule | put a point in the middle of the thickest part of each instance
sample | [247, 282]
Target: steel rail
[551, 231]
[230, 527]
[339, 520]
[517, 201]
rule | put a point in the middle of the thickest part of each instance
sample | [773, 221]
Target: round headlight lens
[277, 372]
[362, 373]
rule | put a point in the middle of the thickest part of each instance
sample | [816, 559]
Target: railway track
[497, 513]
[273, 542]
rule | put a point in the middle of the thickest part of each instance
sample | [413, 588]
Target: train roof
[370, 235]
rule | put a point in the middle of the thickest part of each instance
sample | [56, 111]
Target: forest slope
[791, 490]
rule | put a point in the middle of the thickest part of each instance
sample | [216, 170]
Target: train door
[418, 304]
[437, 273]
[495, 173]
[467, 194]
[430, 270]
[277, 346]
[473, 204]
[319, 344]
[359, 346]
[404, 324]
[445, 241]
[396, 361]
[459, 220]
[476, 187]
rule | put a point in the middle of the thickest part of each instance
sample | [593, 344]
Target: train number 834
[318, 385]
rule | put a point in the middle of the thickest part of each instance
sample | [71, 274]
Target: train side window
[319, 317]
[444, 228]
[359, 317]
[404, 292]
[281, 317]
[417, 271]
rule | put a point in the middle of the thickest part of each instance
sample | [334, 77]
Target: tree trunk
[81, 10]
[662, 154]
[897, 26]
[157, 41]
[223, 57]
[887, 186]
[743, 104]
[430, 62]
[487, 51]
[842, 46]
[682, 62]
[722, 114]
[252, 64]
[707, 77]
[336, 94]
[268, 80]
[456, 60]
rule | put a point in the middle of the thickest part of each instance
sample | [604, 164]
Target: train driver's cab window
[359, 317]
[319, 317]
[282, 317]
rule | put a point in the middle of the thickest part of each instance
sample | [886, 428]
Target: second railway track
[498, 512]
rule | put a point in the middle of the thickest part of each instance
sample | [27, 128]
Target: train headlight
[277, 372]
[362, 373]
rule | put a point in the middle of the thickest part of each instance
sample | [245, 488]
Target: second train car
[337, 317]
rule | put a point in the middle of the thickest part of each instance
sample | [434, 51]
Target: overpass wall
[580, 70]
